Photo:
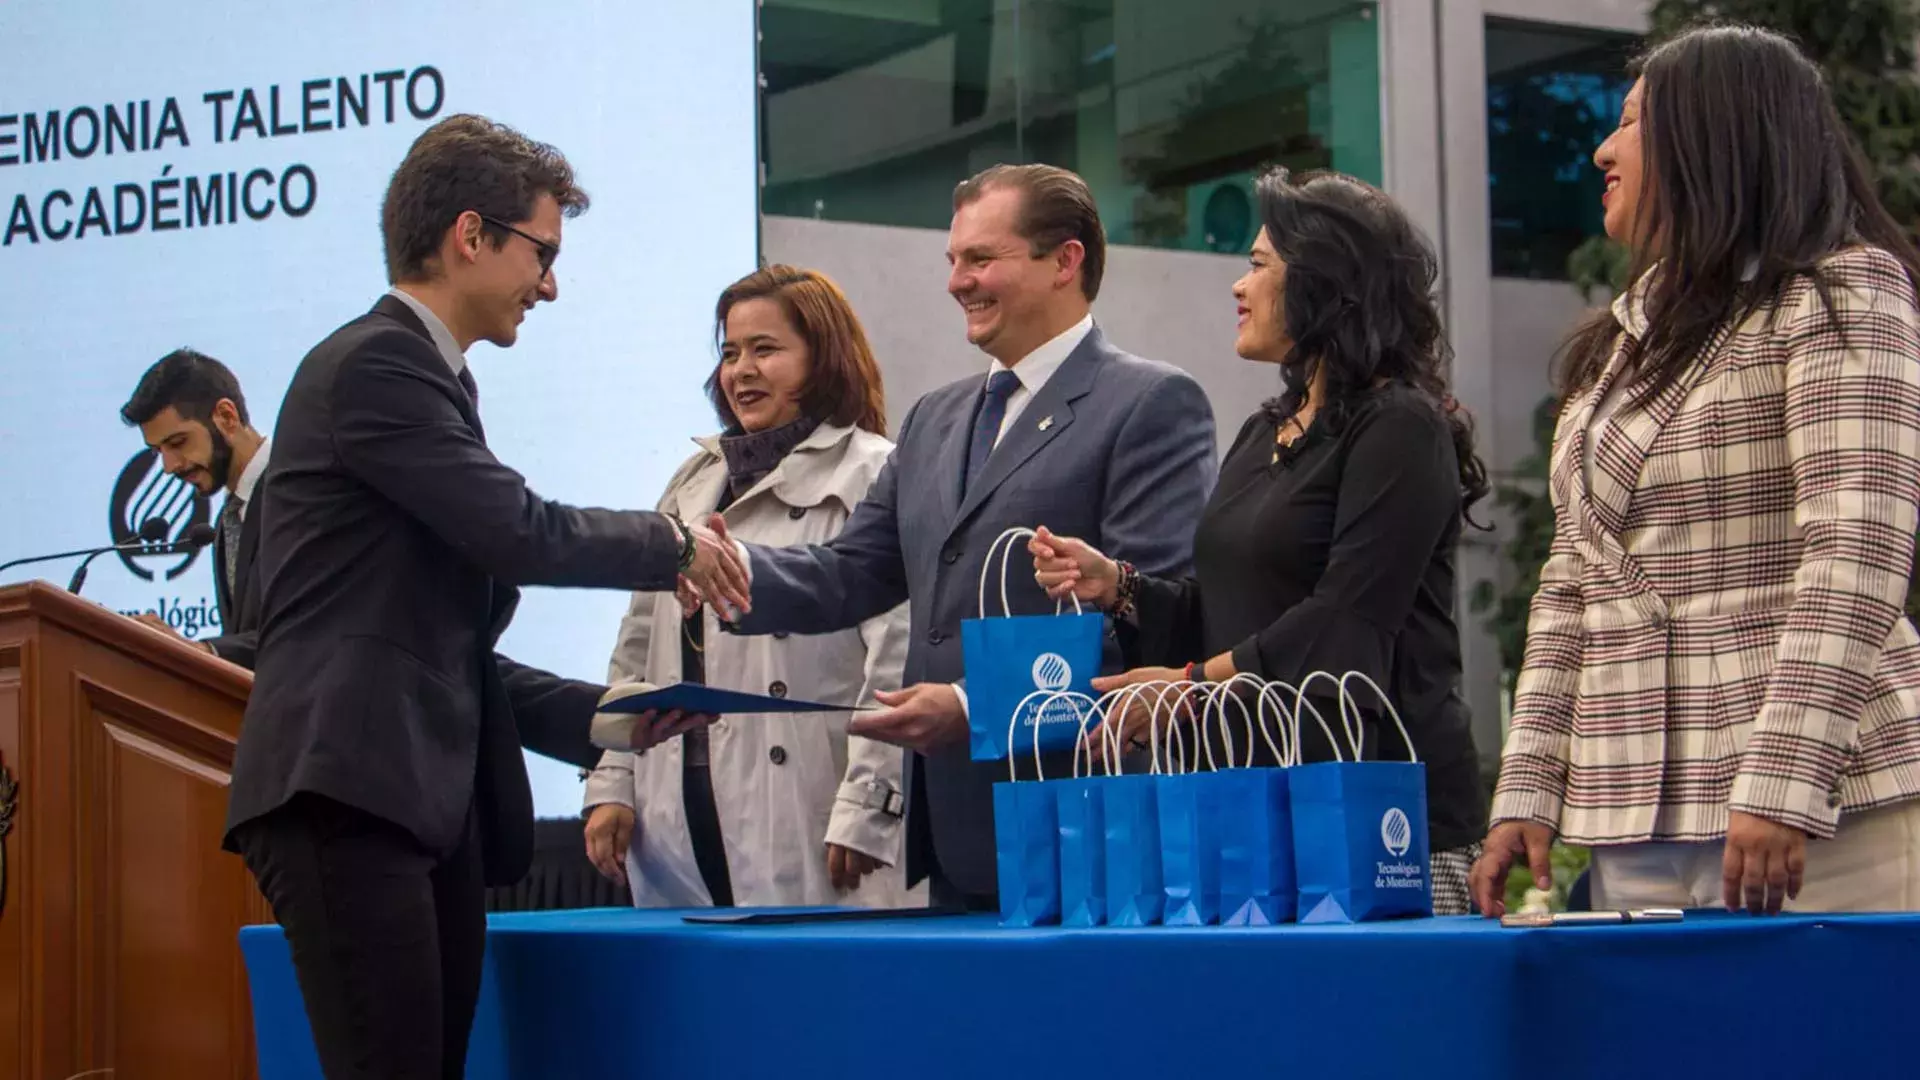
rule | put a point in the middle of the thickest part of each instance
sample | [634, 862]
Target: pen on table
[1592, 918]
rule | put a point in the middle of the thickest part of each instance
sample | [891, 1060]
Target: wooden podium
[120, 913]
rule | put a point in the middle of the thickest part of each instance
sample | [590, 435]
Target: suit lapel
[1044, 418]
[397, 310]
[243, 559]
[223, 597]
[1620, 456]
[951, 463]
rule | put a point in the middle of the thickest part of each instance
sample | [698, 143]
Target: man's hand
[1063, 565]
[609, 837]
[845, 866]
[716, 572]
[1509, 840]
[924, 718]
[1763, 864]
[653, 727]
[154, 622]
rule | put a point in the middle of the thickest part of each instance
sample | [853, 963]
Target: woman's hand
[1763, 864]
[1508, 842]
[1063, 565]
[1130, 727]
[846, 867]
[609, 837]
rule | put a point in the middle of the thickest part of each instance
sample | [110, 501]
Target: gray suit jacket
[1126, 463]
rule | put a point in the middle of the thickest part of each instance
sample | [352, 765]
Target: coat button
[950, 556]
[935, 637]
[777, 755]
[778, 689]
[780, 635]
[796, 512]
[1834, 798]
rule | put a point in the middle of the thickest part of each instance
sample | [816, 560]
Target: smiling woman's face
[764, 365]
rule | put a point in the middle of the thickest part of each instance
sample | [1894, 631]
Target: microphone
[151, 530]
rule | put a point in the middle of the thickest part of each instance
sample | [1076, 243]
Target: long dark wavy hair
[1750, 179]
[1360, 303]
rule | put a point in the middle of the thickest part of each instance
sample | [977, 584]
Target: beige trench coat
[785, 784]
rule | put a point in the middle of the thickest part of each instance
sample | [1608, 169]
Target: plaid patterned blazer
[1719, 623]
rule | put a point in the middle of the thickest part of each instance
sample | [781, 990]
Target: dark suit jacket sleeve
[821, 588]
[398, 430]
[553, 714]
[236, 648]
[1162, 472]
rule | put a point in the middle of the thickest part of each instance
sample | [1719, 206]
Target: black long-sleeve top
[1337, 555]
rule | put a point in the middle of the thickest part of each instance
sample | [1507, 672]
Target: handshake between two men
[924, 718]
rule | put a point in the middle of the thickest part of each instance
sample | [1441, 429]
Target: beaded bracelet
[1124, 592]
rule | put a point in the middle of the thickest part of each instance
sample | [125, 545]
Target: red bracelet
[1197, 671]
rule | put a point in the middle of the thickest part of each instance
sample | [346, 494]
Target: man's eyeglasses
[545, 251]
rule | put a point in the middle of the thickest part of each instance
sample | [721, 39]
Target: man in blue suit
[1063, 429]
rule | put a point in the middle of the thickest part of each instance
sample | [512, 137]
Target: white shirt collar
[437, 330]
[250, 476]
[1038, 366]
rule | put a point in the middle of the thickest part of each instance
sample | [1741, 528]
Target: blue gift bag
[1256, 820]
[1190, 808]
[1083, 844]
[1015, 664]
[1026, 837]
[1360, 831]
[1130, 810]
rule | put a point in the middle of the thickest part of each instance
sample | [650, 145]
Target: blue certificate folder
[697, 698]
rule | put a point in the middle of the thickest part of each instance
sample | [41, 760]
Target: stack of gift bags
[1194, 838]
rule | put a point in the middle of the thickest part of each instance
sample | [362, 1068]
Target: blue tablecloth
[616, 993]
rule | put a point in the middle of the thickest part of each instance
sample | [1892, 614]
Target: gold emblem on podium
[8, 791]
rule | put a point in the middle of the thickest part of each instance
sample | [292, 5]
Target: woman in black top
[1329, 543]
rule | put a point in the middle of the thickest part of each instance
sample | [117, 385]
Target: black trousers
[387, 939]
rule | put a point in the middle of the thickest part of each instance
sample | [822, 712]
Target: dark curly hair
[1360, 303]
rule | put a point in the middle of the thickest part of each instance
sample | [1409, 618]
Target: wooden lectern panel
[121, 906]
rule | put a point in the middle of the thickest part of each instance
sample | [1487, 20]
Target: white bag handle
[1300, 700]
[1346, 702]
[1110, 727]
[1222, 692]
[1285, 721]
[1009, 537]
[1080, 748]
[1047, 697]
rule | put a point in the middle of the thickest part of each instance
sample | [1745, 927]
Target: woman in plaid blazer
[1721, 694]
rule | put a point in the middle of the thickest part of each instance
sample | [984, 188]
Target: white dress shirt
[437, 330]
[1036, 368]
[250, 477]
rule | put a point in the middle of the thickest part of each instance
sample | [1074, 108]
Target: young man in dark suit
[379, 783]
[1061, 427]
[190, 410]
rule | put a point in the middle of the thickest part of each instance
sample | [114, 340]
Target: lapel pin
[1046, 422]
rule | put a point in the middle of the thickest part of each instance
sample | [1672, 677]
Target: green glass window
[1553, 95]
[874, 109]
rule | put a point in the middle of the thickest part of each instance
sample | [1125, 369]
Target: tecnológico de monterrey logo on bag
[1051, 672]
[1396, 832]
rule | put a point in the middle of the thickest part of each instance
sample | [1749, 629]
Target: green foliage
[1866, 49]
[1597, 264]
[1529, 533]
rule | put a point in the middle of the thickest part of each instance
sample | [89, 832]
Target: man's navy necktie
[472, 388]
[986, 422]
